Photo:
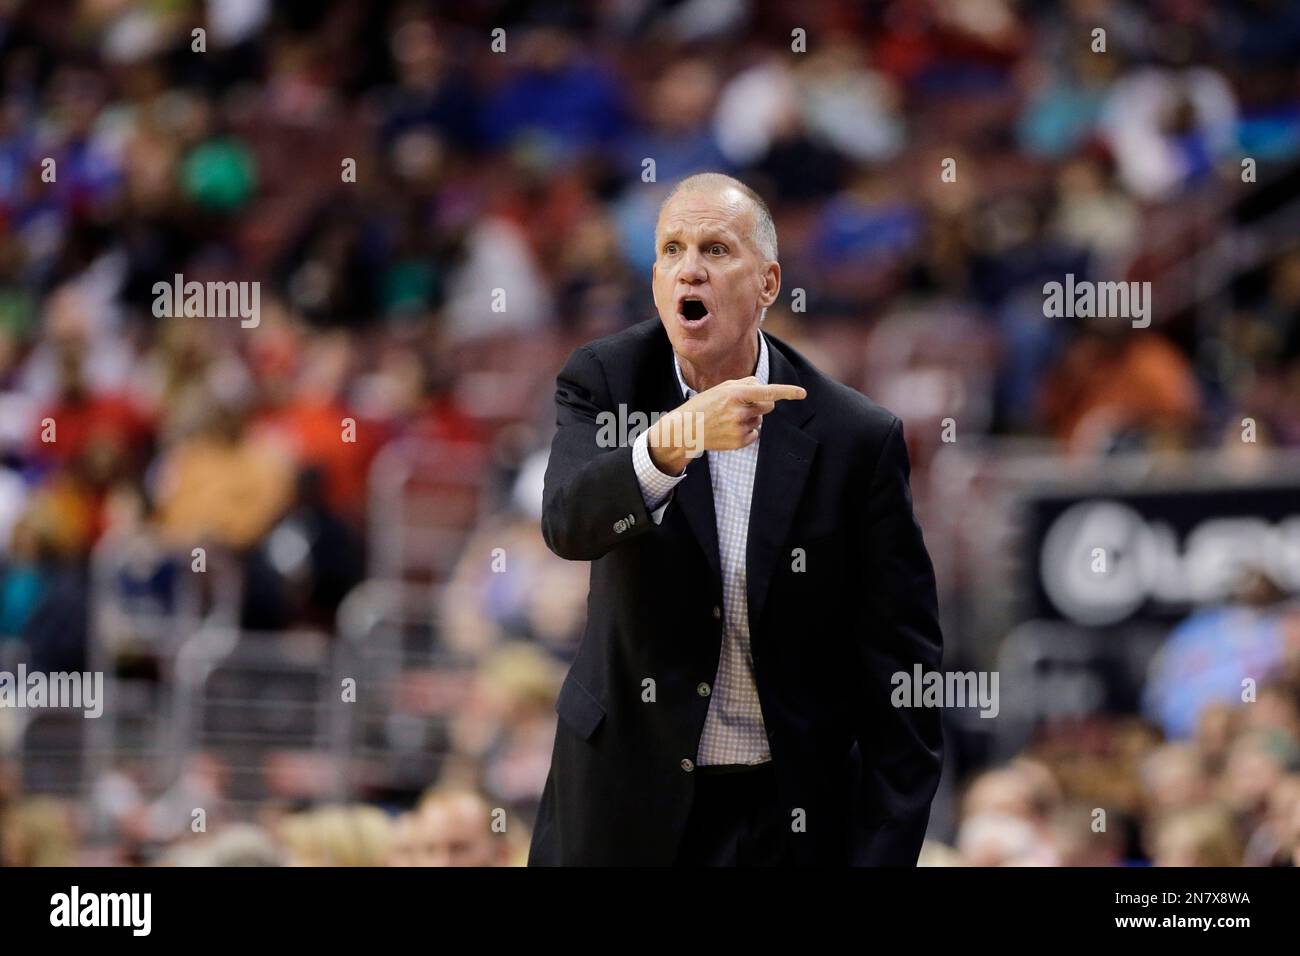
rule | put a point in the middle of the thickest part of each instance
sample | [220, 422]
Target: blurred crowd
[1116, 792]
[435, 223]
[446, 827]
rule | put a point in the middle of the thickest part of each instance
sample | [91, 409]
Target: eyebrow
[715, 234]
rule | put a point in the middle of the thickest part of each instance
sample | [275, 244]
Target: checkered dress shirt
[733, 730]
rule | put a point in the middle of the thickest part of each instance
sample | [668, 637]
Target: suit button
[620, 525]
[687, 764]
[703, 689]
[717, 612]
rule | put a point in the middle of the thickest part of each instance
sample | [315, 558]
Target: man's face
[704, 251]
[456, 833]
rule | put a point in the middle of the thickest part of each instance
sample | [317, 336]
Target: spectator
[1200, 836]
[458, 828]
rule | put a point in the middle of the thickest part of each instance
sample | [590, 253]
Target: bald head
[763, 235]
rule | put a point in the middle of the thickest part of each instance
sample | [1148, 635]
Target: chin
[693, 348]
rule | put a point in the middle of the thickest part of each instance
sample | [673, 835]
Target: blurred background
[351, 673]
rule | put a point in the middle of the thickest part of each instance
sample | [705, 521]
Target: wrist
[669, 458]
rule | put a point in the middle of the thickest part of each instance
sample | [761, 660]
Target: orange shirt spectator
[1110, 382]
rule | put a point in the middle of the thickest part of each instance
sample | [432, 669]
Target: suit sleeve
[901, 747]
[592, 500]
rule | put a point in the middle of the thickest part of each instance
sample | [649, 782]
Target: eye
[670, 248]
[717, 249]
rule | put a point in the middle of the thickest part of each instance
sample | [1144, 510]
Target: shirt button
[717, 612]
[703, 689]
[687, 764]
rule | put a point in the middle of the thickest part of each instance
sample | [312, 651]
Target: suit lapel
[694, 496]
[785, 455]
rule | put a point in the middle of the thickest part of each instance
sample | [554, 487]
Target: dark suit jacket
[832, 484]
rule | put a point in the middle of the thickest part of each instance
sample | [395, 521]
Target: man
[730, 701]
[450, 827]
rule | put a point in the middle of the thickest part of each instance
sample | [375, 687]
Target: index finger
[773, 393]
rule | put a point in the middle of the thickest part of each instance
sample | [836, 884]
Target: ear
[771, 283]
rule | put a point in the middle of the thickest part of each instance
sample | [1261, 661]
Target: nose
[692, 267]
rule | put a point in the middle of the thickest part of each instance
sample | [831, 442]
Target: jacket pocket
[579, 708]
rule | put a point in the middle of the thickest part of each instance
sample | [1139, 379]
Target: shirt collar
[760, 373]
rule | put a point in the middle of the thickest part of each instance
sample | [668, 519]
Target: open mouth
[693, 310]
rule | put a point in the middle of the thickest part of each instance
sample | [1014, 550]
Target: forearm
[592, 499]
[590, 508]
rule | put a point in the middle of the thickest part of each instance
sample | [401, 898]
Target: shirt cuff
[656, 487]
